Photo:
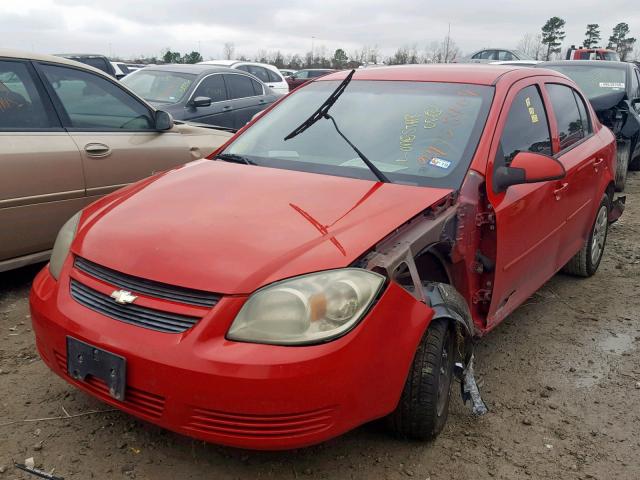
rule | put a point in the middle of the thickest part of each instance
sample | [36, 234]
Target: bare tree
[532, 45]
[445, 51]
[229, 49]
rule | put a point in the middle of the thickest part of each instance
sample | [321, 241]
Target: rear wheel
[622, 165]
[585, 263]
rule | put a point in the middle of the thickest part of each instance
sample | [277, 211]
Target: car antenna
[323, 112]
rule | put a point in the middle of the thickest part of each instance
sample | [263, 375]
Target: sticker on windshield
[611, 84]
[440, 163]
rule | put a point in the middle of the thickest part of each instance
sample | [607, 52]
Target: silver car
[488, 55]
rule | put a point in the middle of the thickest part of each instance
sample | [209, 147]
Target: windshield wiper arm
[322, 110]
[376, 171]
[232, 157]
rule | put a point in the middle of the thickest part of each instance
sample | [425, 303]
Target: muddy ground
[561, 377]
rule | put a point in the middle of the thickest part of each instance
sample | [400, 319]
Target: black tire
[622, 165]
[585, 263]
[424, 404]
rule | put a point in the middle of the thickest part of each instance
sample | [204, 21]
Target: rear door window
[568, 118]
[274, 77]
[526, 129]
[503, 55]
[94, 103]
[259, 72]
[21, 102]
[585, 117]
[257, 87]
[239, 86]
[212, 87]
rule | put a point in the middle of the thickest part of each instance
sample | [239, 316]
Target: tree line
[548, 43]
[545, 45]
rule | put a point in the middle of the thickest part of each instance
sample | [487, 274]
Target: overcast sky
[129, 28]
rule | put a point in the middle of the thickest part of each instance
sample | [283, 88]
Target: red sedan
[335, 261]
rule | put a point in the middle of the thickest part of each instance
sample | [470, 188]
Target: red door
[530, 217]
[578, 149]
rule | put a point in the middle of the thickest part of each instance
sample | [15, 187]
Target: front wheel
[585, 263]
[424, 405]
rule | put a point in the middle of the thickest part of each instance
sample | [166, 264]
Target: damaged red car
[336, 260]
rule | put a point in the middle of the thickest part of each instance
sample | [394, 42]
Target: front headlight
[308, 309]
[63, 242]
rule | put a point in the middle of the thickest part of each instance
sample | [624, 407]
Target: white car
[518, 63]
[269, 74]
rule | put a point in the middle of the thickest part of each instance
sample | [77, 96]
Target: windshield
[417, 133]
[594, 81]
[159, 86]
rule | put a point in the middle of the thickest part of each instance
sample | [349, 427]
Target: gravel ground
[561, 377]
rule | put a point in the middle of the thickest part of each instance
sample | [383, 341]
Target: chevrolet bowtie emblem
[123, 297]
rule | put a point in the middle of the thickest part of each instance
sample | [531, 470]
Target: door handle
[560, 189]
[598, 163]
[97, 149]
[226, 108]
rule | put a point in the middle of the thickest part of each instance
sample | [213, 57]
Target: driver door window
[527, 128]
[92, 102]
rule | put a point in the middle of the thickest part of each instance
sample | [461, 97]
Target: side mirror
[164, 120]
[200, 102]
[528, 167]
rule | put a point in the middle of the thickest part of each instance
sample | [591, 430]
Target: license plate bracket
[84, 360]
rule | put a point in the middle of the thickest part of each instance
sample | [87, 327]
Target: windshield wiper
[323, 112]
[232, 157]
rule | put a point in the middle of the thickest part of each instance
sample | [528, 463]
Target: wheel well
[432, 266]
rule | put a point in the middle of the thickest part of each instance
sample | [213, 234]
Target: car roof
[194, 68]
[22, 55]
[83, 55]
[578, 63]
[479, 74]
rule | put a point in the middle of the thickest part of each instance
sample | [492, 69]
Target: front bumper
[240, 394]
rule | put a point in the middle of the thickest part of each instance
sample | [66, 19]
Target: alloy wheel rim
[599, 235]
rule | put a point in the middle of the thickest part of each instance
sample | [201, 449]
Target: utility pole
[312, 40]
[446, 54]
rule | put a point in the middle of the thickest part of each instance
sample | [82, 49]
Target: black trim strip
[147, 287]
[132, 314]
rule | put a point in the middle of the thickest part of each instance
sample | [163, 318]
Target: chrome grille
[147, 287]
[160, 321]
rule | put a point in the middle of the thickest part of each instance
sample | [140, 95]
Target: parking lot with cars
[559, 376]
[425, 267]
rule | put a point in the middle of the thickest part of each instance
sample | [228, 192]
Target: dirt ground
[561, 377]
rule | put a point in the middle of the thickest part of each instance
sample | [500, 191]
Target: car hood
[231, 228]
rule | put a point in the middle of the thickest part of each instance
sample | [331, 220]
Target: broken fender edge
[617, 208]
[463, 370]
[469, 388]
